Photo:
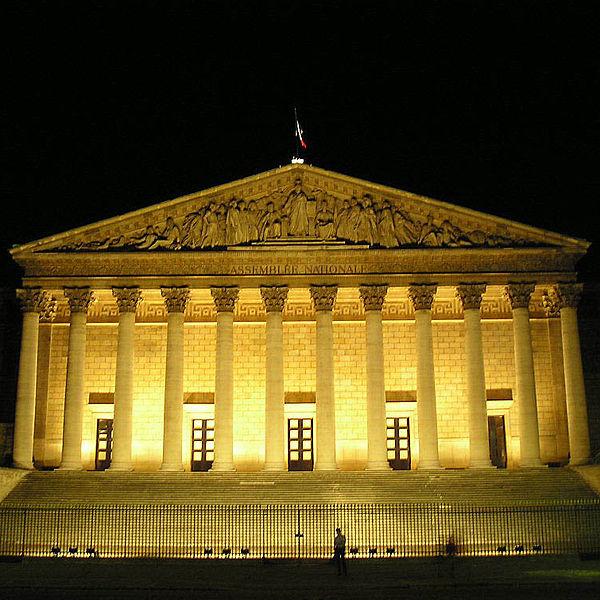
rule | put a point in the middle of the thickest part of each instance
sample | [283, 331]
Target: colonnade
[34, 302]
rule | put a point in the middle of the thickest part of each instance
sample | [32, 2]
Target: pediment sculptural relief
[292, 214]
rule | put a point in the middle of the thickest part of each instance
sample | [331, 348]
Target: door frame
[191, 412]
[299, 410]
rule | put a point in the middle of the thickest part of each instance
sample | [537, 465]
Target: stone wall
[299, 372]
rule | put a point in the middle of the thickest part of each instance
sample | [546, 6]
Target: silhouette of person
[339, 552]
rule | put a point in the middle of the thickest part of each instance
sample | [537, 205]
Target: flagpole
[297, 141]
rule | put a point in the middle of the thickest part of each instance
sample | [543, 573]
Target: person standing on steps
[339, 552]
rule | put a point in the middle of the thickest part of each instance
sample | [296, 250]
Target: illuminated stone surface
[348, 361]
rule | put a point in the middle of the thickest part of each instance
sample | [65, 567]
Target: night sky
[113, 106]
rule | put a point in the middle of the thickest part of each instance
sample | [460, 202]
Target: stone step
[484, 487]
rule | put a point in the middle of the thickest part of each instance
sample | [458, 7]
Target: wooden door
[398, 442]
[497, 439]
[300, 445]
[203, 444]
[104, 428]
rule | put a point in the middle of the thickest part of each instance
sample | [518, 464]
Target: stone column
[79, 300]
[33, 301]
[373, 297]
[127, 301]
[176, 299]
[470, 297]
[422, 297]
[224, 299]
[274, 298]
[518, 295]
[579, 436]
[552, 309]
[41, 389]
[323, 298]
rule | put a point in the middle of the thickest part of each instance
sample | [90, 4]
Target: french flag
[299, 132]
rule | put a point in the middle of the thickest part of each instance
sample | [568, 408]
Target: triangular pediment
[298, 204]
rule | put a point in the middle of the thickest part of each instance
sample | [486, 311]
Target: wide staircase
[477, 487]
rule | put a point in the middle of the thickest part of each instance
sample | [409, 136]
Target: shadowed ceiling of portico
[299, 204]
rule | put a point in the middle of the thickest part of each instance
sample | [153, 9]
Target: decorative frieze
[32, 299]
[176, 298]
[421, 296]
[373, 296]
[299, 209]
[470, 295]
[79, 298]
[49, 311]
[519, 294]
[225, 298]
[127, 299]
[274, 297]
[323, 296]
[569, 294]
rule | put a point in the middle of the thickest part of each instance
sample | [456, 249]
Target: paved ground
[530, 578]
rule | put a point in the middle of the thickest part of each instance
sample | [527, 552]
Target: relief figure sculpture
[342, 221]
[296, 209]
[232, 224]
[193, 226]
[324, 224]
[270, 223]
[367, 231]
[169, 238]
[385, 225]
[354, 219]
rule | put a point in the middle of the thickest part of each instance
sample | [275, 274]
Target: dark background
[113, 106]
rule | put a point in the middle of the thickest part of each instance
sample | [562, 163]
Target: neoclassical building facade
[300, 319]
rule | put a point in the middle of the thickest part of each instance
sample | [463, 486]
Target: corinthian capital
[323, 296]
[225, 298]
[422, 295]
[32, 299]
[176, 298]
[373, 296]
[569, 294]
[470, 295]
[79, 298]
[127, 299]
[519, 294]
[274, 297]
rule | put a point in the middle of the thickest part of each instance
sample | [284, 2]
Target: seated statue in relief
[324, 224]
[270, 223]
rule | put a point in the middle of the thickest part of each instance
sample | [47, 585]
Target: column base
[222, 468]
[24, 466]
[325, 468]
[70, 467]
[532, 464]
[378, 466]
[429, 466]
[122, 467]
[173, 468]
[484, 464]
[574, 462]
[275, 467]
